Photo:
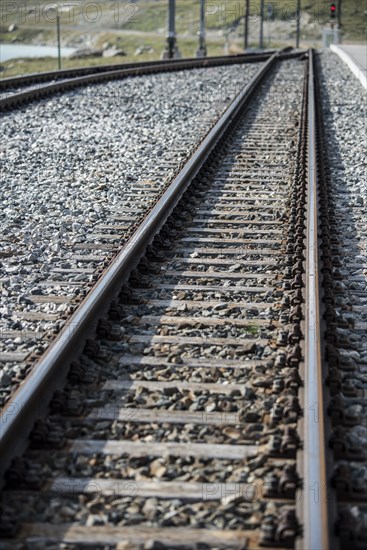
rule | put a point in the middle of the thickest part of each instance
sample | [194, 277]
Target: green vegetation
[151, 15]
[25, 35]
[129, 44]
[253, 329]
[354, 20]
[15, 67]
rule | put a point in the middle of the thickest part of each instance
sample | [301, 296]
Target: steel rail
[315, 505]
[30, 401]
[21, 98]
[9, 82]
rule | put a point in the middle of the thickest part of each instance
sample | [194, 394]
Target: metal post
[171, 50]
[339, 13]
[226, 42]
[270, 17]
[247, 13]
[202, 51]
[171, 36]
[298, 22]
[261, 38]
[58, 40]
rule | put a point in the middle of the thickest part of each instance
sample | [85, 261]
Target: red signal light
[332, 10]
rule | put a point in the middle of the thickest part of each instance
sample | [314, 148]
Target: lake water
[14, 51]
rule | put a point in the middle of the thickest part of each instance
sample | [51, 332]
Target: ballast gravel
[345, 114]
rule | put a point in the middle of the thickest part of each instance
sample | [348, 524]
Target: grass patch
[252, 329]
[152, 16]
[26, 35]
[129, 44]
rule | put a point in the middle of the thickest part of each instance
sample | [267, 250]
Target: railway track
[182, 423]
[18, 91]
[17, 82]
[91, 200]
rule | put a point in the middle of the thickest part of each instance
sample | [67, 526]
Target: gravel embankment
[345, 108]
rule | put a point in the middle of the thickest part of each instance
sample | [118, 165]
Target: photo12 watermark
[229, 12]
[71, 12]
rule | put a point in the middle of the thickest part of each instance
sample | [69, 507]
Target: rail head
[315, 496]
